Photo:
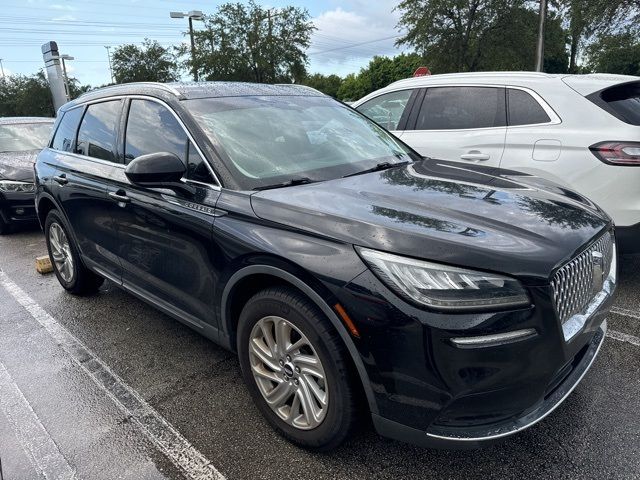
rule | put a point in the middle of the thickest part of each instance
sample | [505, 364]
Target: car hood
[476, 217]
[18, 165]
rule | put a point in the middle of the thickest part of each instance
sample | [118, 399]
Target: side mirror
[158, 170]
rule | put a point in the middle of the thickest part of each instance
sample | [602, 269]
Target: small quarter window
[524, 109]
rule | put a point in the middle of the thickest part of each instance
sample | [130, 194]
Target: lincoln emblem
[598, 272]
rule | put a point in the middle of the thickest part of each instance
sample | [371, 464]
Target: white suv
[582, 131]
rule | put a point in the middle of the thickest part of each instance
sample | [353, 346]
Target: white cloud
[350, 34]
[58, 6]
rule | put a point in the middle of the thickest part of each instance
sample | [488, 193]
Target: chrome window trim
[555, 118]
[551, 113]
[217, 186]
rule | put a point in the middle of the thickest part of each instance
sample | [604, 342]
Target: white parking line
[624, 337]
[34, 438]
[625, 312]
[150, 423]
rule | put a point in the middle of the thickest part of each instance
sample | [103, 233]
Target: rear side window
[153, 128]
[452, 108]
[66, 132]
[97, 134]
[623, 101]
[387, 109]
[524, 109]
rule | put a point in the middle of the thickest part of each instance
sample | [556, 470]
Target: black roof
[16, 120]
[190, 90]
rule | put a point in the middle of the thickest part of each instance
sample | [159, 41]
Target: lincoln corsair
[452, 305]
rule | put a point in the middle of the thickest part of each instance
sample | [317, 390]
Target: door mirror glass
[157, 170]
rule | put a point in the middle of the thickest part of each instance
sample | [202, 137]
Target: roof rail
[162, 86]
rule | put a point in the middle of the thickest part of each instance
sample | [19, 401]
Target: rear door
[390, 110]
[84, 163]
[459, 123]
[166, 237]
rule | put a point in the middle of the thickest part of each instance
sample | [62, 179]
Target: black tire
[341, 414]
[83, 281]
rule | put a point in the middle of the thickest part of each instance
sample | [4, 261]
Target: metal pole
[110, 68]
[66, 79]
[2, 68]
[540, 48]
[193, 51]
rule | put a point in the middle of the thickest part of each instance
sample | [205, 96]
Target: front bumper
[442, 437]
[18, 207]
[431, 391]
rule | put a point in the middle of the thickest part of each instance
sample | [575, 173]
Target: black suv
[455, 305]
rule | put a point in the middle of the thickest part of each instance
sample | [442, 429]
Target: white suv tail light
[617, 153]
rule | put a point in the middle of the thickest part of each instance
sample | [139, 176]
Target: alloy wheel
[61, 252]
[288, 372]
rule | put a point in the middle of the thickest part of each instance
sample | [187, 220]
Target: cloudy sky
[349, 32]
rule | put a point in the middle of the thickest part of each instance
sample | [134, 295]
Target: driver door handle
[61, 179]
[120, 196]
[475, 155]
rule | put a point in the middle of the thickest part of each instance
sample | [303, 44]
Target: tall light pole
[109, 57]
[192, 15]
[540, 48]
[2, 68]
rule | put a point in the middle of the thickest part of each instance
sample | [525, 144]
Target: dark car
[21, 138]
[454, 305]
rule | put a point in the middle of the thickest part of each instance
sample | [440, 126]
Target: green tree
[251, 43]
[22, 95]
[619, 53]
[449, 33]
[328, 84]
[380, 72]
[150, 62]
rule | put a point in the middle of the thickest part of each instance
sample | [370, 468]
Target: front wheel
[67, 265]
[296, 368]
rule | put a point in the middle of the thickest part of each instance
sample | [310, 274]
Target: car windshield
[272, 139]
[21, 137]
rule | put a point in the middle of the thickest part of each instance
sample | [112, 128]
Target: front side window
[270, 139]
[152, 128]
[66, 132]
[524, 109]
[387, 109]
[454, 108]
[22, 137]
[97, 134]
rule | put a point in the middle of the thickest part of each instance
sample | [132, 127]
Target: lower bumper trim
[474, 437]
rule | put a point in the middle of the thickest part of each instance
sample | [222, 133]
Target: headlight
[14, 186]
[443, 287]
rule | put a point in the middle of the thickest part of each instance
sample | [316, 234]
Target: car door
[166, 236]
[459, 123]
[533, 142]
[84, 148]
[390, 110]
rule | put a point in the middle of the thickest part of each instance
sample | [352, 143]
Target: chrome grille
[572, 284]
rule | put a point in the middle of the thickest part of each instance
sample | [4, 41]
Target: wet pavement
[107, 387]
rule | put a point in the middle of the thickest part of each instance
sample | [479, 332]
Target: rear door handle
[61, 179]
[120, 196]
[475, 155]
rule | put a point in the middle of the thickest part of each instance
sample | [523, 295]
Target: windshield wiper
[288, 183]
[380, 166]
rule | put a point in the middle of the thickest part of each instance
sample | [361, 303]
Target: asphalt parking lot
[107, 387]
